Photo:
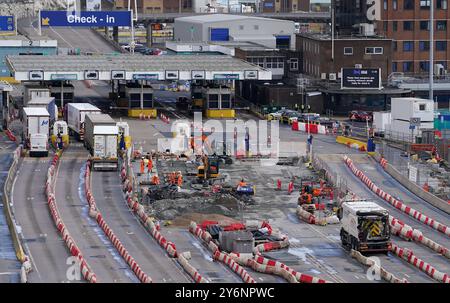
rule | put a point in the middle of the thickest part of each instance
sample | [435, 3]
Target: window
[293, 64]
[374, 50]
[394, 26]
[407, 66]
[226, 101]
[424, 46]
[424, 66]
[348, 51]
[385, 4]
[424, 25]
[394, 4]
[394, 67]
[422, 107]
[441, 25]
[408, 25]
[394, 45]
[408, 46]
[441, 46]
[425, 4]
[443, 63]
[385, 26]
[441, 4]
[408, 4]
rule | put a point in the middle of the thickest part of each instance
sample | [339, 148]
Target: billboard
[85, 18]
[93, 5]
[361, 78]
[7, 24]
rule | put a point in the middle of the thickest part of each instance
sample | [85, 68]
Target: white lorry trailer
[365, 227]
[48, 103]
[32, 91]
[101, 139]
[76, 113]
[36, 128]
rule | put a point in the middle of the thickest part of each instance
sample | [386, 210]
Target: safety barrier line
[75, 251]
[218, 255]
[10, 135]
[311, 219]
[95, 213]
[397, 203]
[153, 229]
[408, 255]
[265, 247]
[385, 275]
[20, 254]
[408, 233]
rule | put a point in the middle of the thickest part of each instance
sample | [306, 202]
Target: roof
[224, 17]
[41, 100]
[132, 67]
[84, 106]
[364, 206]
[411, 99]
[36, 111]
[100, 118]
[106, 130]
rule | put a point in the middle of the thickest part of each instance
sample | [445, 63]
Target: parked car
[356, 115]
[276, 115]
[288, 114]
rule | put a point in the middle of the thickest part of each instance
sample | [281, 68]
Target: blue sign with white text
[7, 23]
[86, 18]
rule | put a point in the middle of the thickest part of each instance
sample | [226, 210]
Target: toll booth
[140, 100]
[5, 90]
[218, 101]
[197, 96]
[63, 92]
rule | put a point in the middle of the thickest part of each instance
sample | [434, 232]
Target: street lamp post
[431, 50]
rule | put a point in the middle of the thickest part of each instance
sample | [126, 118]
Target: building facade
[349, 52]
[407, 23]
[285, 6]
[272, 33]
[156, 6]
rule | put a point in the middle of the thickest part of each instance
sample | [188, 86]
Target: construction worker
[242, 183]
[150, 165]
[155, 180]
[145, 162]
[180, 179]
[142, 166]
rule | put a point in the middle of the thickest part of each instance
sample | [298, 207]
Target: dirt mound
[185, 220]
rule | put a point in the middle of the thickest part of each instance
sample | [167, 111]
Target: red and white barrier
[164, 118]
[397, 203]
[311, 219]
[218, 255]
[10, 135]
[408, 255]
[311, 128]
[385, 275]
[93, 211]
[85, 269]
[183, 260]
[271, 246]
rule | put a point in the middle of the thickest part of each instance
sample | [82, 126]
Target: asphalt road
[139, 243]
[97, 250]
[40, 237]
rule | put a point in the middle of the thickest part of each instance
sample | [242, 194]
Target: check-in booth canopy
[139, 96]
[218, 97]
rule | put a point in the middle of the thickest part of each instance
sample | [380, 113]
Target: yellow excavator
[209, 169]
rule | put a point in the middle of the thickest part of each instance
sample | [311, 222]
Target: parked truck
[365, 227]
[101, 140]
[76, 113]
[36, 128]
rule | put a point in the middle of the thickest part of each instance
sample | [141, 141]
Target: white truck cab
[365, 227]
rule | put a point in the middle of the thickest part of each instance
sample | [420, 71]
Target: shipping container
[76, 113]
[45, 102]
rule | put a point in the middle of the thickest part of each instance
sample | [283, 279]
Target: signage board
[198, 74]
[361, 78]
[145, 76]
[226, 76]
[7, 24]
[85, 18]
[251, 74]
[62, 77]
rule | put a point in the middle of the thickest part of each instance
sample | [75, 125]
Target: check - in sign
[86, 18]
[7, 23]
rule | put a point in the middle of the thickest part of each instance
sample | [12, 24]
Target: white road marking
[71, 46]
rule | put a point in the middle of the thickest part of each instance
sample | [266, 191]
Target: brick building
[369, 52]
[407, 23]
[156, 6]
[285, 6]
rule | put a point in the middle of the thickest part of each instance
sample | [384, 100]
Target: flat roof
[327, 37]
[84, 106]
[36, 111]
[133, 67]
[224, 17]
[106, 130]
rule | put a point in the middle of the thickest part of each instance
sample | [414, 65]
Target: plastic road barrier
[385, 275]
[408, 255]
[311, 219]
[75, 251]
